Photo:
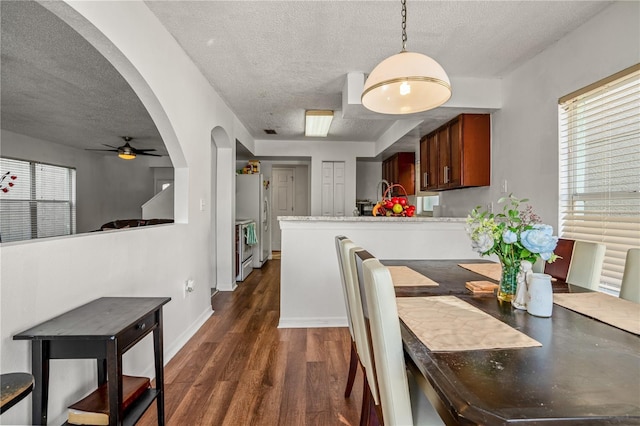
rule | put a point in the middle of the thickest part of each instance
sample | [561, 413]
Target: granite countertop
[369, 219]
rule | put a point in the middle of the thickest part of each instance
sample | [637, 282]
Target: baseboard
[320, 322]
[227, 287]
[187, 334]
[182, 340]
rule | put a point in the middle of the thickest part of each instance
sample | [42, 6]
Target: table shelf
[134, 412]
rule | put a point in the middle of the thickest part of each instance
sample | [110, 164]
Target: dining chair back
[586, 264]
[560, 268]
[348, 250]
[386, 342]
[630, 287]
[353, 358]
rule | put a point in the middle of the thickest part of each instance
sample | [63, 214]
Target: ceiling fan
[126, 151]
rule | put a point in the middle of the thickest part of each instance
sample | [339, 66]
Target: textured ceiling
[269, 60]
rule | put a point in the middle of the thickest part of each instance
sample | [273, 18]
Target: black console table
[103, 329]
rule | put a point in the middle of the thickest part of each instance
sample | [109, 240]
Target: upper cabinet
[457, 154]
[400, 168]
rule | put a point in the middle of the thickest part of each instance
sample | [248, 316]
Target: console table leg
[40, 366]
[102, 371]
[159, 364]
[114, 380]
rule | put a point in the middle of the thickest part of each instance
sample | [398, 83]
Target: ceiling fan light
[127, 155]
[406, 83]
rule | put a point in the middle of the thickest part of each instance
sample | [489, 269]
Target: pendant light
[407, 82]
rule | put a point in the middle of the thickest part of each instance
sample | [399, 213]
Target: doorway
[289, 197]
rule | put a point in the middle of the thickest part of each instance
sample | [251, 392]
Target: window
[600, 168]
[41, 203]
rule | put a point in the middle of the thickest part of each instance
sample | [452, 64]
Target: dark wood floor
[240, 369]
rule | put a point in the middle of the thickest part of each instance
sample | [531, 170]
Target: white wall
[41, 279]
[525, 130]
[368, 174]
[107, 188]
[319, 152]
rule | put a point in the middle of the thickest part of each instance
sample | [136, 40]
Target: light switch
[203, 203]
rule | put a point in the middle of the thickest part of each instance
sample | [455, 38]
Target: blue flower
[509, 237]
[539, 240]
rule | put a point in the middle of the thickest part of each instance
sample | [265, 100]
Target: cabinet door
[444, 158]
[406, 169]
[433, 175]
[424, 164]
[455, 154]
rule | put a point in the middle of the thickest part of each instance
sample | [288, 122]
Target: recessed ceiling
[57, 87]
[269, 61]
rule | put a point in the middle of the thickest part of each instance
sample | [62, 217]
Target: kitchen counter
[311, 290]
[370, 219]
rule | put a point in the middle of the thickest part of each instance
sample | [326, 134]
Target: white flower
[483, 242]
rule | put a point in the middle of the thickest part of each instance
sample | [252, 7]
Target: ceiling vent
[270, 131]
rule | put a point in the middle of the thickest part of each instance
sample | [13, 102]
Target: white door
[333, 188]
[281, 201]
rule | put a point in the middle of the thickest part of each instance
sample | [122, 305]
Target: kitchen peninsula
[311, 291]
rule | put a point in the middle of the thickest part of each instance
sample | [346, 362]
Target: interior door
[282, 203]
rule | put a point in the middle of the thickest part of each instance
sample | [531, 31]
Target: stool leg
[353, 367]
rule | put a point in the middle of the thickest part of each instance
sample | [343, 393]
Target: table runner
[446, 323]
[489, 270]
[403, 276]
[614, 311]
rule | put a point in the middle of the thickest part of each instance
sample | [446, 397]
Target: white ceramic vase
[522, 291]
[540, 301]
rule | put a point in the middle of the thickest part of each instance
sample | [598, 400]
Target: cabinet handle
[141, 326]
[425, 178]
[446, 174]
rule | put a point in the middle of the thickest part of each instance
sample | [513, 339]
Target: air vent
[270, 131]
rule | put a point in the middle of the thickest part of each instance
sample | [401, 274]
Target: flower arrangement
[9, 184]
[514, 235]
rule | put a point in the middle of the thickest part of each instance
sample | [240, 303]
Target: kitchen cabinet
[457, 154]
[400, 168]
[429, 162]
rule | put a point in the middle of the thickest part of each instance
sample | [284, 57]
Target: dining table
[572, 369]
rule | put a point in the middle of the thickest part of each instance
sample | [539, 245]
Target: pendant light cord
[404, 25]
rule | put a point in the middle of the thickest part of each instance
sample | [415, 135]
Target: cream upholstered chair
[353, 360]
[400, 403]
[586, 264]
[347, 250]
[630, 287]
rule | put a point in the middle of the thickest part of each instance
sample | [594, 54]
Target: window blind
[600, 169]
[40, 204]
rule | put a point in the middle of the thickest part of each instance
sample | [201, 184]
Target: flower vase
[508, 281]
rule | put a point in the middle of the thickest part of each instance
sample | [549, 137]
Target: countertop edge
[369, 219]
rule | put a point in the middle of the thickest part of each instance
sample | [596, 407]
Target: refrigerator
[252, 202]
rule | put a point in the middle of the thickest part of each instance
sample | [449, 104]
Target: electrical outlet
[203, 203]
[504, 188]
[189, 287]
[490, 207]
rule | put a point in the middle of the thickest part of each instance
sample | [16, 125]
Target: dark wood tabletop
[586, 372]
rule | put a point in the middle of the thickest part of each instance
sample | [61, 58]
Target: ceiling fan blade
[144, 150]
[110, 150]
[152, 155]
[110, 146]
